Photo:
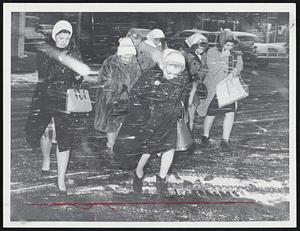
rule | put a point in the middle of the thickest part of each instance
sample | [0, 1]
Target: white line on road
[32, 188]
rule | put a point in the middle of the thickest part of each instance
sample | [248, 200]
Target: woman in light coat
[118, 72]
[221, 61]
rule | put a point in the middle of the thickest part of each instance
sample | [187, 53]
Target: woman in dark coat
[47, 123]
[195, 56]
[151, 127]
[116, 77]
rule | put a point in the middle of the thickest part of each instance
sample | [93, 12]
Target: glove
[124, 88]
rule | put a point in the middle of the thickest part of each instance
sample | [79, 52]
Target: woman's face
[62, 39]
[156, 41]
[228, 46]
[172, 71]
[126, 59]
[199, 50]
[136, 39]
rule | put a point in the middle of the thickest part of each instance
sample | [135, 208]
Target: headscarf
[61, 25]
[227, 35]
[155, 33]
[196, 38]
[171, 56]
[126, 46]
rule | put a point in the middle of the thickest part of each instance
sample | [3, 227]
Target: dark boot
[161, 186]
[137, 183]
[224, 146]
[204, 142]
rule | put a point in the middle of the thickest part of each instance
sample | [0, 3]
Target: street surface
[252, 180]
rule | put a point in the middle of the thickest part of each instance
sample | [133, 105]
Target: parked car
[271, 52]
[139, 31]
[45, 29]
[177, 41]
[32, 37]
[246, 43]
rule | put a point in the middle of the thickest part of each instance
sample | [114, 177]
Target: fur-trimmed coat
[112, 76]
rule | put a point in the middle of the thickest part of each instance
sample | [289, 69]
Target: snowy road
[255, 176]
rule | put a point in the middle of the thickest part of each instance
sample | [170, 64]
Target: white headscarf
[126, 46]
[171, 56]
[196, 38]
[61, 25]
[155, 33]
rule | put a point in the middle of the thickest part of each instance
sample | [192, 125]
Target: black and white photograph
[149, 115]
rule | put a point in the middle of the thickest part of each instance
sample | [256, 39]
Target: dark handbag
[120, 107]
[201, 91]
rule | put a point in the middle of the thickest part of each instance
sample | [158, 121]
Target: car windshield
[211, 37]
[186, 33]
[246, 38]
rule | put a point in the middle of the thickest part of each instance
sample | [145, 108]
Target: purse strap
[121, 93]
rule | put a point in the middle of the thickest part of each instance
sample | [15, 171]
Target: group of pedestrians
[156, 84]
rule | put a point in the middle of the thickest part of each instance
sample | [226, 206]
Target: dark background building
[97, 33]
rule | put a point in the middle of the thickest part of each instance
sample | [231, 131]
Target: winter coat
[155, 105]
[218, 69]
[49, 99]
[112, 76]
[148, 56]
[196, 68]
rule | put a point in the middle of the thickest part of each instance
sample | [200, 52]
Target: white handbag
[78, 100]
[230, 90]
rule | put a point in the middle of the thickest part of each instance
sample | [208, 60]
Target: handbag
[201, 90]
[230, 90]
[184, 137]
[78, 101]
[120, 107]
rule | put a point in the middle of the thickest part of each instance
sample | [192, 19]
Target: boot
[161, 186]
[137, 183]
[204, 142]
[224, 146]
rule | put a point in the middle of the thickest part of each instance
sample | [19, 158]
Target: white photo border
[8, 8]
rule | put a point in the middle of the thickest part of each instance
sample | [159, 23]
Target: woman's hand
[225, 53]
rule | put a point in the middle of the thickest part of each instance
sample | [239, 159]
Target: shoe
[137, 183]
[224, 146]
[61, 192]
[204, 142]
[110, 151]
[161, 186]
[109, 154]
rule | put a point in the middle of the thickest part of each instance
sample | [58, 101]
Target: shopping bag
[230, 90]
[184, 137]
[78, 101]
